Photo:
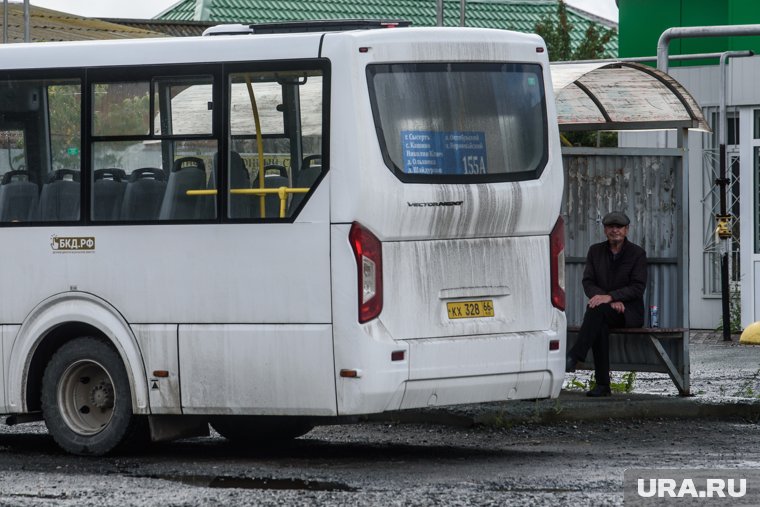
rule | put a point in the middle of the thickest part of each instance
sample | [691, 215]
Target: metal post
[27, 30]
[724, 228]
[683, 254]
[5, 21]
[462, 11]
[439, 13]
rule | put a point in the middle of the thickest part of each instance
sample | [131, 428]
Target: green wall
[643, 21]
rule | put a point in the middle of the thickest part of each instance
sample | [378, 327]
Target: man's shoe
[570, 364]
[599, 391]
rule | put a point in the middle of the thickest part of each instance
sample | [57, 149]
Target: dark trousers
[595, 335]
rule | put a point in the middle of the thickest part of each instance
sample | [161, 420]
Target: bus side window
[276, 129]
[19, 193]
[40, 141]
[159, 130]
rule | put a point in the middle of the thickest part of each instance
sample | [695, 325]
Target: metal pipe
[439, 13]
[722, 93]
[27, 29]
[462, 11]
[682, 32]
[643, 59]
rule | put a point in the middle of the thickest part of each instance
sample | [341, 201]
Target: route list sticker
[430, 152]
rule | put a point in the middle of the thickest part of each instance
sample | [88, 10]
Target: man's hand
[599, 299]
[618, 306]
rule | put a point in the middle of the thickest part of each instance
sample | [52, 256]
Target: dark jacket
[623, 278]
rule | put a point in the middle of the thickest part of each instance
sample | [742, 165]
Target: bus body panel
[7, 333]
[366, 349]
[275, 273]
[421, 277]
[158, 343]
[257, 369]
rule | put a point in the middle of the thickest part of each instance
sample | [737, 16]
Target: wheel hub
[86, 397]
[101, 395]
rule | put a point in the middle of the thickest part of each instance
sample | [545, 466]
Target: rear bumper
[484, 368]
[459, 370]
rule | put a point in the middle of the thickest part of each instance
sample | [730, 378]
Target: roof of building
[621, 96]
[47, 26]
[517, 15]
[167, 27]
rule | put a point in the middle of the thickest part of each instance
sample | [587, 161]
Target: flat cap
[616, 218]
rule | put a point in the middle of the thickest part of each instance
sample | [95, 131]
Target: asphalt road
[377, 464]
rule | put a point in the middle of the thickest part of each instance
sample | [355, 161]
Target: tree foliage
[65, 102]
[556, 31]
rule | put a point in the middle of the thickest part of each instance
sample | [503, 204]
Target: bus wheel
[260, 430]
[86, 398]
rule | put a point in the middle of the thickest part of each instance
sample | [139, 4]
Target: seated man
[614, 280]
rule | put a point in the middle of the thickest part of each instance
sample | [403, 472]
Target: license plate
[470, 309]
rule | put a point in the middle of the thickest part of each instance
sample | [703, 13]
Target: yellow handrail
[259, 141]
[282, 193]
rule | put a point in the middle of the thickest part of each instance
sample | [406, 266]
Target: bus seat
[59, 200]
[19, 197]
[188, 173]
[144, 194]
[240, 205]
[271, 201]
[311, 167]
[108, 193]
[310, 161]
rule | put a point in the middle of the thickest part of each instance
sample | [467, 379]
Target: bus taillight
[369, 263]
[557, 254]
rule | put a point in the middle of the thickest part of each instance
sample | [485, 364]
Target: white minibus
[276, 227]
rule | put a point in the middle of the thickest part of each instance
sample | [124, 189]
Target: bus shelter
[649, 184]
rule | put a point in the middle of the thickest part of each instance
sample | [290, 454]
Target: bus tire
[86, 398]
[260, 430]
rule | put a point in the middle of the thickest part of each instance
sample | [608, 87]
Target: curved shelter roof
[621, 96]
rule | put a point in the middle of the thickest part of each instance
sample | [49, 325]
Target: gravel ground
[378, 464]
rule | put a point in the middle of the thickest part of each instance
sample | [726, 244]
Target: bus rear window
[460, 122]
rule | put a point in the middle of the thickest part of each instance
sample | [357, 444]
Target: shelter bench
[655, 349]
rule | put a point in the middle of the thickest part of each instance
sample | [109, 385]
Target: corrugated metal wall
[645, 186]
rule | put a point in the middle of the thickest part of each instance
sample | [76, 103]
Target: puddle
[220, 481]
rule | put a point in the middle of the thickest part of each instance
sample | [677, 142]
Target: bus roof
[225, 48]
